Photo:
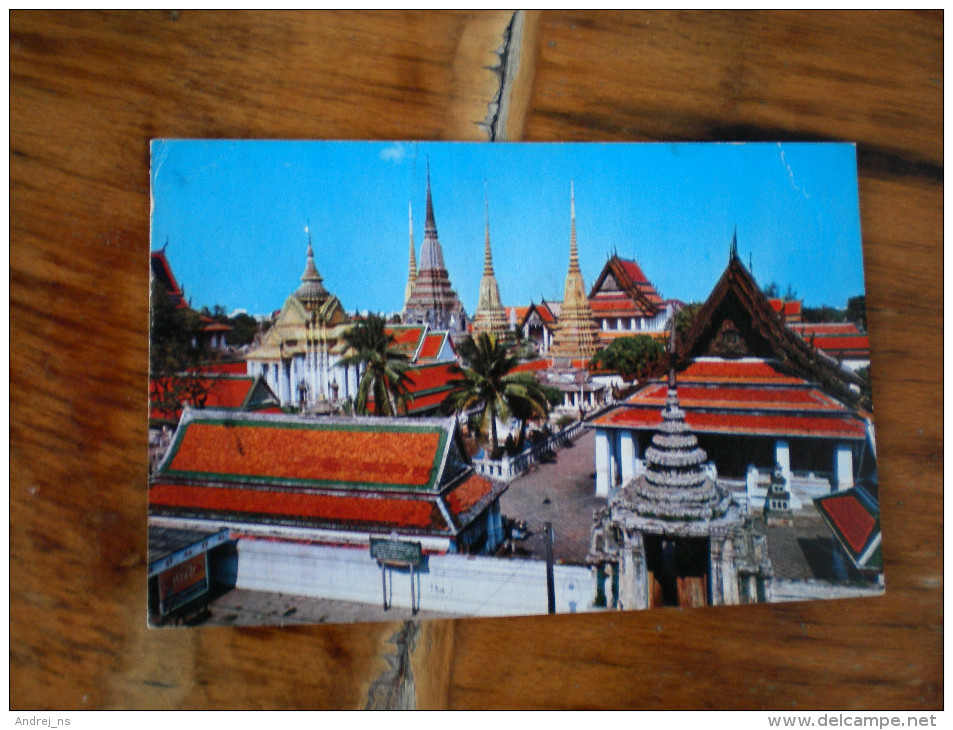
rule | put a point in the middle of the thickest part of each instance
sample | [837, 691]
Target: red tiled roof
[406, 338]
[634, 271]
[223, 368]
[468, 494]
[216, 327]
[851, 518]
[162, 271]
[431, 347]
[741, 423]
[387, 512]
[532, 366]
[859, 343]
[739, 397]
[228, 392]
[617, 307]
[545, 313]
[430, 377]
[790, 307]
[324, 452]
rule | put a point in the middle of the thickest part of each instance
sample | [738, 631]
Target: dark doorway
[677, 571]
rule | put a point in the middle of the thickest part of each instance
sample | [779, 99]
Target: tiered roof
[623, 290]
[753, 397]
[840, 340]
[576, 334]
[366, 474]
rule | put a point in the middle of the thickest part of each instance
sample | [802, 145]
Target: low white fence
[457, 584]
[510, 467]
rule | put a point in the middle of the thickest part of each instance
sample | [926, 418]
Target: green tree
[685, 318]
[857, 311]
[486, 381]
[771, 290]
[384, 378]
[173, 354]
[628, 355]
[818, 315]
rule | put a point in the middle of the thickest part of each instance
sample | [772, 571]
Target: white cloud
[394, 153]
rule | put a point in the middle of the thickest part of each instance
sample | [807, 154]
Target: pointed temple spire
[490, 316]
[430, 223]
[577, 336]
[487, 256]
[412, 265]
[311, 289]
[432, 299]
[733, 254]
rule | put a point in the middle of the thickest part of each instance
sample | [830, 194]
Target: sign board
[396, 551]
[181, 584]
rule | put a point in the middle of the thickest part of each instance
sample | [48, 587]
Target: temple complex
[625, 303]
[490, 317]
[432, 300]
[577, 337]
[299, 356]
[673, 536]
[757, 396]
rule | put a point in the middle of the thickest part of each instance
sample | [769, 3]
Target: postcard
[421, 379]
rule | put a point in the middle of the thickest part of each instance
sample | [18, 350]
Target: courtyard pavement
[561, 491]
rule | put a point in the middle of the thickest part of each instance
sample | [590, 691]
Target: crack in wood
[394, 688]
[497, 110]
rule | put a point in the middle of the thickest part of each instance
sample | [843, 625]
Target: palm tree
[384, 369]
[487, 381]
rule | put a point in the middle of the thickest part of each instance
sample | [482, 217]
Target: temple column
[843, 466]
[604, 466]
[782, 457]
[715, 581]
[628, 453]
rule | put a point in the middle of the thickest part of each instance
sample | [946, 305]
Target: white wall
[469, 586]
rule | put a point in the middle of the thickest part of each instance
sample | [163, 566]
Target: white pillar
[782, 457]
[844, 466]
[602, 462]
[628, 453]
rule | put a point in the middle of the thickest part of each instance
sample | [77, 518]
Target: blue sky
[236, 215]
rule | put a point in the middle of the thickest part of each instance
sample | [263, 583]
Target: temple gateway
[673, 536]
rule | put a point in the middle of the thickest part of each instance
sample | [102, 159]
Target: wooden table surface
[88, 92]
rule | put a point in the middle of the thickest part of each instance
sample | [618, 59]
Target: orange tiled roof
[532, 366]
[790, 307]
[752, 371]
[466, 496]
[316, 508]
[739, 397]
[220, 392]
[328, 452]
[741, 423]
[431, 346]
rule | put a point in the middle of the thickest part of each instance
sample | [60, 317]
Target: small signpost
[397, 553]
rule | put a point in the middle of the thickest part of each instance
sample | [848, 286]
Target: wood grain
[88, 91]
